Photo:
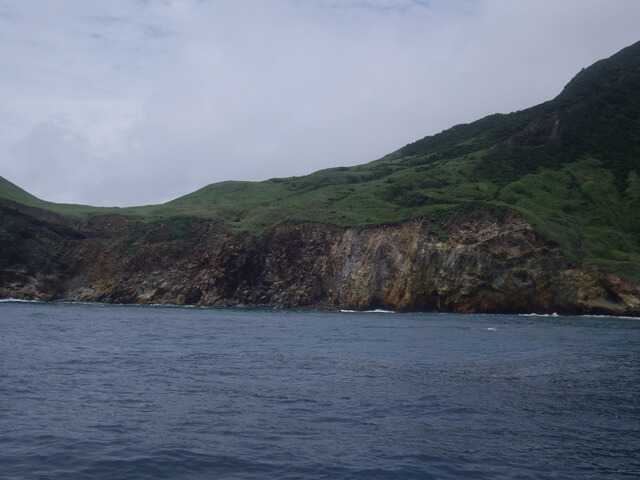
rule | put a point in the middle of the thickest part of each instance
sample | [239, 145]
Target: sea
[153, 392]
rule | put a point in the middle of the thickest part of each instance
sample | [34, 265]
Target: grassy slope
[579, 186]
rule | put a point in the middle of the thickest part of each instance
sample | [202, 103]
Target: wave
[577, 316]
[377, 310]
[96, 304]
[611, 316]
[19, 300]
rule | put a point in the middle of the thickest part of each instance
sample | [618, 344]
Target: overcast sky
[131, 102]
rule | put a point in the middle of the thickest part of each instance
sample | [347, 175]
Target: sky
[134, 102]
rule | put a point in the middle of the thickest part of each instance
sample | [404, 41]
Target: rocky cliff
[476, 261]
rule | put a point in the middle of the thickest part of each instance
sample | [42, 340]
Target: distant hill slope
[570, 166]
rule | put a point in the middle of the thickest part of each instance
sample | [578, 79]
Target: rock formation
[477, 261]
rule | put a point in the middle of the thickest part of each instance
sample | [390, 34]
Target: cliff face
[486, 262]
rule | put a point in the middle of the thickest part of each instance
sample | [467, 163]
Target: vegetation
[571, 166]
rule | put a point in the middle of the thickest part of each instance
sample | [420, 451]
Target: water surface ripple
[104, 392]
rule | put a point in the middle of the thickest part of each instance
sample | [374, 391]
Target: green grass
[570, 166]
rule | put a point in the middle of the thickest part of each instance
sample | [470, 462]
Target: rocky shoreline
[479, 261]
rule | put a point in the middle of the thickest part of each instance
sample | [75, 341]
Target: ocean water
[120, 392]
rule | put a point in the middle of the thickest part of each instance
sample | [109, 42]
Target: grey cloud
[130, 102]
[54, 158]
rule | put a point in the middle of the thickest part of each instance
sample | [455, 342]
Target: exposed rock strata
[486, 262]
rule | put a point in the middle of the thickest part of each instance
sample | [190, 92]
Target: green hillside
[570, 166]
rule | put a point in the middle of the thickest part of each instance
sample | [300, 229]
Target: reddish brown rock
[486, 262]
